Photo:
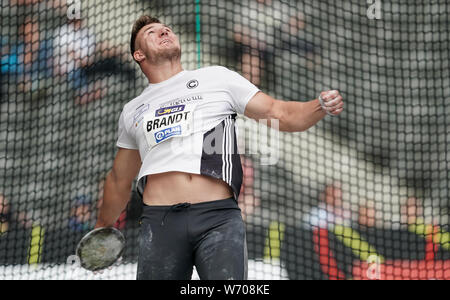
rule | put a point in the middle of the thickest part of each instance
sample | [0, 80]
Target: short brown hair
[138, 25]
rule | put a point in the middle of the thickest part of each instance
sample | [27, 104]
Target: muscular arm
[117, 187]
[292, 116]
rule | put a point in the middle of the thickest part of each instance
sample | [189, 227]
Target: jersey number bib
[168, 122]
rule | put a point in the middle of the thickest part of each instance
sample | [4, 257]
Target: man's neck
[161, 72]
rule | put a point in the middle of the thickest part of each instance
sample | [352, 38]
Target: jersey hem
[125, 146]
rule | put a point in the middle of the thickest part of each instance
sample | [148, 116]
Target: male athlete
[178, 138]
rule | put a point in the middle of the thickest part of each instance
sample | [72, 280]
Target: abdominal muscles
[177, 187]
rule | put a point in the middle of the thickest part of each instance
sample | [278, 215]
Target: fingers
[337, 111]
[119, 261]
[98, 272]
[328, 95]
[102, 271]
[332, 102]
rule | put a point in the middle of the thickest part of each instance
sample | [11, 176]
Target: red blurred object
[326, 257]
[122, 221]
[403, 270]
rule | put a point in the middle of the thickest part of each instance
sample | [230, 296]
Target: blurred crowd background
[372, 182]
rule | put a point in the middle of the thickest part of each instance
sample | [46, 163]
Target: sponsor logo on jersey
[192, 84]
[139, 111]
[183, 100]
[169, 110]
[167, 133]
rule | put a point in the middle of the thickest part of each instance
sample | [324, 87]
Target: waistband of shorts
[222, 203]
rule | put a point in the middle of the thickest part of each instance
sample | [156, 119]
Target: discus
[100, 248]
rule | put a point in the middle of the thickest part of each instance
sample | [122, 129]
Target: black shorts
[208, 235]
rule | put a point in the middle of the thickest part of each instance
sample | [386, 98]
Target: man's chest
[160, 119]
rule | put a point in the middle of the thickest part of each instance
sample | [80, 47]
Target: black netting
[362, 195]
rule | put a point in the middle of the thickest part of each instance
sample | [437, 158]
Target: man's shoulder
[209, 69]
[220, 73]
[135, 103]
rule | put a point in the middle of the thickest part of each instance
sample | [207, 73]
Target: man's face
[157, 42]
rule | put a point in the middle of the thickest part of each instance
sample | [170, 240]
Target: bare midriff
[172, 188]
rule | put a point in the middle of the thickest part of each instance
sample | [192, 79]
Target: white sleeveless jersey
[187, 124]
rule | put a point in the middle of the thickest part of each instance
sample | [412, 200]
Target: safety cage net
[364, 195]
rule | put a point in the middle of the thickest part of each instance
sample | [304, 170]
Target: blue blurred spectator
[10, 57]
[74, 50]
[28, 60]
[79, 55]
[80, 214]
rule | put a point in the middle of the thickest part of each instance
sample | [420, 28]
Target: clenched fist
[331, 102]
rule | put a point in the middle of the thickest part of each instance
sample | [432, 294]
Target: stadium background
[382, 165]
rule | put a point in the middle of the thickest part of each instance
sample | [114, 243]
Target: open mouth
[165, 42]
